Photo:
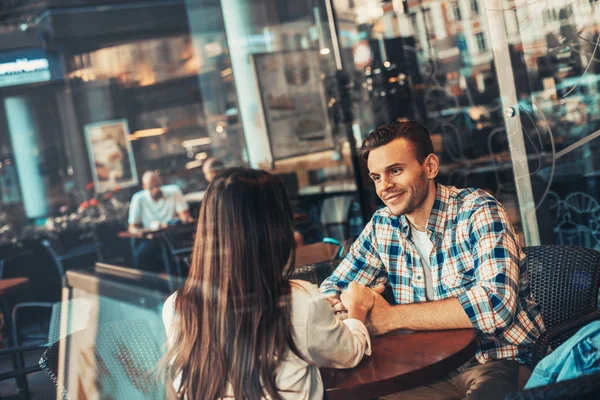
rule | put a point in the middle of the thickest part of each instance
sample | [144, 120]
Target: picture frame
[111, 156]
[293, 101]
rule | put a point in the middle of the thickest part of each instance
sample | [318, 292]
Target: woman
[240, 328]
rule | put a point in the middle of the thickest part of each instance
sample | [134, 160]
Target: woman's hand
[336, 304]
[359, 299]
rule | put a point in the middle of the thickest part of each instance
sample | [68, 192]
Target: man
[211, 168]
[150, 208]
[452, 260]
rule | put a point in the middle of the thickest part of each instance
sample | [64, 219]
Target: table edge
[409, 380]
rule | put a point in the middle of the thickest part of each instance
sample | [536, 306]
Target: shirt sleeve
[168, 314]
[180, 204]
[362, 264]
[135, 215]
[332, 343]
[492, 302]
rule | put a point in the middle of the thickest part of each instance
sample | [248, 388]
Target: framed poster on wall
[293, 102]
[111, 157]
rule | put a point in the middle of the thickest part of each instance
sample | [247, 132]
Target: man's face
[153, 186]
[400, 181]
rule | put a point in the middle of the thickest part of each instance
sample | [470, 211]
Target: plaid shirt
[475, 257]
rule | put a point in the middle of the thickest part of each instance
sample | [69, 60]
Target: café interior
[97, 94]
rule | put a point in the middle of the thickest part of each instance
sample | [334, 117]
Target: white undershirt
[424, 247]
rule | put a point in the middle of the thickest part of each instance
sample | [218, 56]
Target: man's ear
[432, 166]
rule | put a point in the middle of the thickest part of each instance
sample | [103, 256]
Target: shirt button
[419, 277]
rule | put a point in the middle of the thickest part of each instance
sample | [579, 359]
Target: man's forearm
[134, 228]
[433, 315]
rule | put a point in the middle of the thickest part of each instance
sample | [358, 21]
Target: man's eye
[376, 178]
[396, 171]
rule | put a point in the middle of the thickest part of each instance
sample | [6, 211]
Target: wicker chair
[584, 388]
[564, 281]
[125, 356]
[317, 272]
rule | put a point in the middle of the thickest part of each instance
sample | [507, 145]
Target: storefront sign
[31, 66]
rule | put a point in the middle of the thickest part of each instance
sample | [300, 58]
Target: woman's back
[243, 327]
[321, 339]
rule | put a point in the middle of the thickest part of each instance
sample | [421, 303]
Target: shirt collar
[439, 213]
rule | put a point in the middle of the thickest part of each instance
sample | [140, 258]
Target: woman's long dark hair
[233, 313]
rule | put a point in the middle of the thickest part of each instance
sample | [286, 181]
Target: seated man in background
[452, 259]
[211, 168]
[154, 206]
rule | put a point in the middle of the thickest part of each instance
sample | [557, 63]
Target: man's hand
[135, 230]
[359, 299]
[186, 217]
[377, 323]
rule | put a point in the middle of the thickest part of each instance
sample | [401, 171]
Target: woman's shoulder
[305, 296]
[170, 302]
[168, 311]
[304, 288]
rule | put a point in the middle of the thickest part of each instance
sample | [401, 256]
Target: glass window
[456, 10]
[475, 7]
[481, 44]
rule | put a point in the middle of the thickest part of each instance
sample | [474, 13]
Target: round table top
[401, 360]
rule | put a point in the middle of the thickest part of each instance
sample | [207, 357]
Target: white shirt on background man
[144, 210]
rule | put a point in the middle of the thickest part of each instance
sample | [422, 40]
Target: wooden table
[10, 285]
[148, 233]
[401, 360]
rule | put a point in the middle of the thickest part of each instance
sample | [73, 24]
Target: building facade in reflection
[95, 93]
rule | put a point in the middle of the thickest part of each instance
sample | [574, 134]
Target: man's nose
[386, 184]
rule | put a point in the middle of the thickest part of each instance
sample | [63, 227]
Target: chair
[124, 355]
[178, 242]
[564, 281]
[81, 251]
[111, 248]
[335, 213]
[584, 388]
[326, 250]
[315, 273]
[347, 244]
[54, 283]
[311, 230]
[20, 370]
[559, 210]
[581, 202]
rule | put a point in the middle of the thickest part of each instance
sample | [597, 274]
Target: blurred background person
[211, 168]
[151, 208]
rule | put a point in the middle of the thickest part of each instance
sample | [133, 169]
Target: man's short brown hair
[413, 131]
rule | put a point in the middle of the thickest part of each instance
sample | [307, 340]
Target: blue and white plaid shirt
[475, 257]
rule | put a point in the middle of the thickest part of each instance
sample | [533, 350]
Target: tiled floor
[40, 385]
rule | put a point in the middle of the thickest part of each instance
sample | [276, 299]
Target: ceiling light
[196, 142]
[193, 164]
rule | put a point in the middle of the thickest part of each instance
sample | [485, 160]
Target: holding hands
[359, 300]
